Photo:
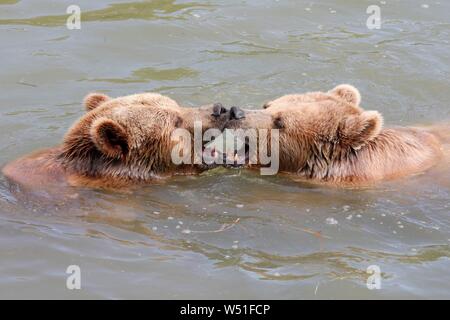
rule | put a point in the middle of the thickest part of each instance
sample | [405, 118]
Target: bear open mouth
[238, 158]
[232, 158]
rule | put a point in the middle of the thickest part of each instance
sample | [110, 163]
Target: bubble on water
[203, 208]
[307, 9]
[401, 226]
[155, 228]
[227, 257]
[381, 222]
[235, 241]
[349, 217]
[225, 212]
[234, 246]
[216, 198]
[156, 212]
[383, 214]
[382, 2]
[332, 11]
[177, 227]
[180, 222]
[394, 232]
[308, 210]
[239, 206]
[373, 219]
[169, 218]
[186, 231]
[276, 274]
[399, 222]
[425, 6]
[165, 227]
[359, 216]
[346, 208]
[331, 221]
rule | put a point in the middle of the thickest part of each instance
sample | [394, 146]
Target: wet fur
[327, 137]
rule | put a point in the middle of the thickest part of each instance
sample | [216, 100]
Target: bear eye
[178, 122]
[278, 123]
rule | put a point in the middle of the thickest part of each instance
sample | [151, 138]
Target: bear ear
[93, 100]
[348, 93]
[110, 138]
[357, 130]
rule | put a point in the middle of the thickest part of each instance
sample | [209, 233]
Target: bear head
[130, 138]
[315, 128]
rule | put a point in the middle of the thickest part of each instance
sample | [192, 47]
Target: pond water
[226, 233]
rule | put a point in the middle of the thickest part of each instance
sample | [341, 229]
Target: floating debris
[331, 221]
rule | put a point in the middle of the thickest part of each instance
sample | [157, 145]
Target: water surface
[226, 233]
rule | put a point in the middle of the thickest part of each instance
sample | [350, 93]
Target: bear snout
[236, 113]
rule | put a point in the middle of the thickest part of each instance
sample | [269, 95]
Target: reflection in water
[143, 10]
[149, 74]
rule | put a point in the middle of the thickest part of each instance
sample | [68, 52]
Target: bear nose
[236, 113]
[218, 109]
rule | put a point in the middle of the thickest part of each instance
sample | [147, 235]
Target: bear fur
[117, 143]
[327, 137]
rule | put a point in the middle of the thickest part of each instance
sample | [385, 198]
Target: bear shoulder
[36, 169]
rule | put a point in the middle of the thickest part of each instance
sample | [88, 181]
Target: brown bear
[118, 143]
[327, 137]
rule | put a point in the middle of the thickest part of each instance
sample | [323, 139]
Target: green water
[226, 233]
